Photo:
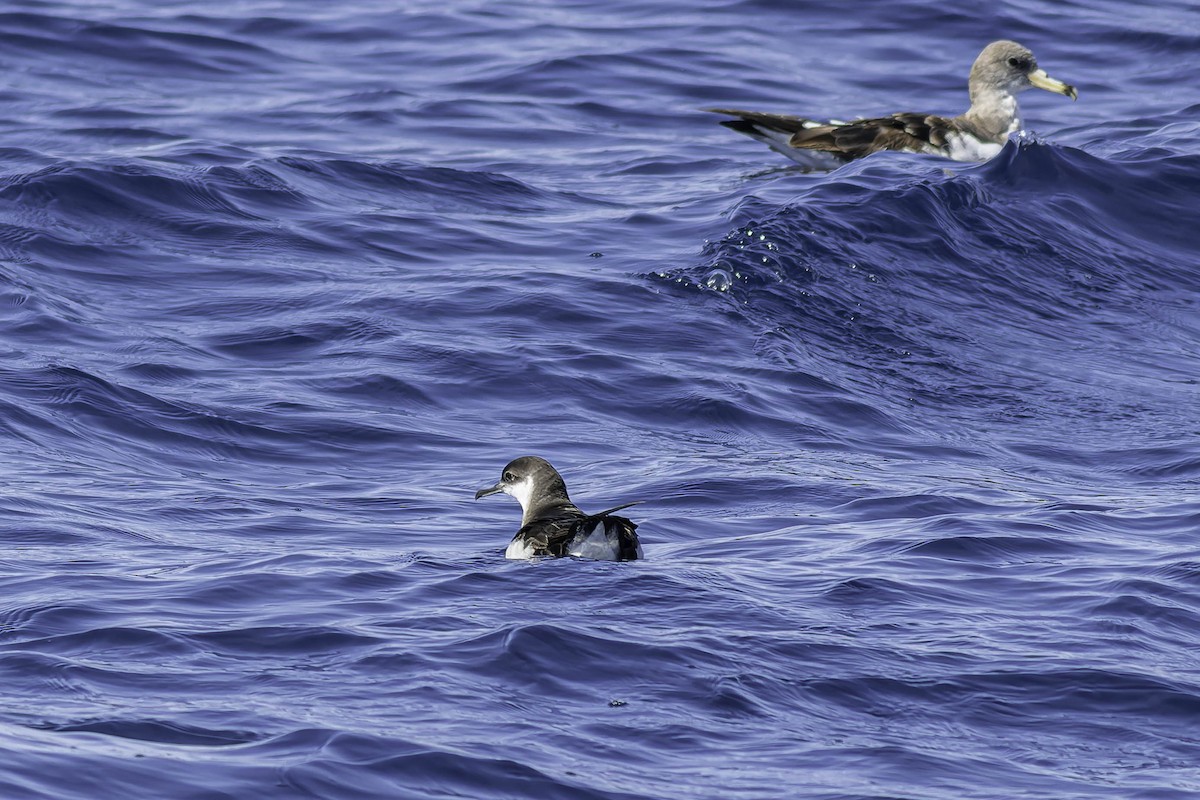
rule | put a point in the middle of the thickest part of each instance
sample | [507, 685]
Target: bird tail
[608, 511]
[782, 133]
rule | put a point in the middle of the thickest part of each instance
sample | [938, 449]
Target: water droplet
[718, 280]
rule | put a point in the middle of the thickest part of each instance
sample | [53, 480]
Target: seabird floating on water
[554, 526]
[1002, 70]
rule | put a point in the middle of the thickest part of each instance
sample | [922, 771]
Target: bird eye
[1014, 62]
[509, 477]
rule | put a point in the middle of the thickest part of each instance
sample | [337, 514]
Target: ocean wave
[968, 292]
[282, 287]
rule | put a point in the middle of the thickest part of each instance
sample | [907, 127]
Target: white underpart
[812, 159]
[780, 142]
[962, 147]
[519, 550]
[1008, 104]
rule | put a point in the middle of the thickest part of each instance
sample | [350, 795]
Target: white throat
[1008, 106]
[523, 491]
[996, 112]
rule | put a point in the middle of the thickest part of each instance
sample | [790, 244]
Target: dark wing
[549, 536]
[608, 511]
[911, 132]
[751, 122]
[847, 140]
[552, 536]
[624, 530]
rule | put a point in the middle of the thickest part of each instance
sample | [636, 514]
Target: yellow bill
[1041, 80]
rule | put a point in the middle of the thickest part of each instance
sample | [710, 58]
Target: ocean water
[917, 442]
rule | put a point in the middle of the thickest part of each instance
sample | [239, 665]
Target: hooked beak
[490, 490]
[1041, 80]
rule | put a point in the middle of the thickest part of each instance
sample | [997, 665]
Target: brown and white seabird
[1001, 71]
[554, 526]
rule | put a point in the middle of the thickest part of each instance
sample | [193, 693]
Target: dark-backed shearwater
[1002, 70]
[554, 526]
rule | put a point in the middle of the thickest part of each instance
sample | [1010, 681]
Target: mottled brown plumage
[1001, 71]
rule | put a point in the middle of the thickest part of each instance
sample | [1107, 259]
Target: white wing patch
[781, 142]
[597, 544]
[812, 159]
[519, 550]
[963, 147]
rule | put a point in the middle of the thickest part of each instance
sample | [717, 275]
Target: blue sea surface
[917, 442]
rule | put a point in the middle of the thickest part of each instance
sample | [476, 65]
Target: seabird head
[533, 482]
[1008, 68]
